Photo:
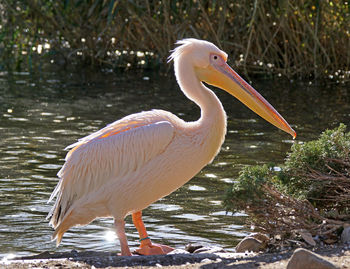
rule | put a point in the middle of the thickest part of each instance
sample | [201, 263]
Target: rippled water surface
[41, 114]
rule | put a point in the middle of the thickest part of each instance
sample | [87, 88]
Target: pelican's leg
[146, 246]
[119, 225]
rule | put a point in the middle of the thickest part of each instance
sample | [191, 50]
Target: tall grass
[307, 39]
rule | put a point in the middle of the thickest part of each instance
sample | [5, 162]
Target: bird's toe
[154, 249]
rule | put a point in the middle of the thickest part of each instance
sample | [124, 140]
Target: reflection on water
[40, 116]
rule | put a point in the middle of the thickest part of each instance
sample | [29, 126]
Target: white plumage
[133, 162]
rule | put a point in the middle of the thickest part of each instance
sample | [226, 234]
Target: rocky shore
[335, 256]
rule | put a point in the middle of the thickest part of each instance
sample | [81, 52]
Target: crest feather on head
[186, 44]
[182, 46]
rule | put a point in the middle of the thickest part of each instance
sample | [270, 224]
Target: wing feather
[120, 148]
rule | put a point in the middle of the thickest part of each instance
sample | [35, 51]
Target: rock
[249, 244]
[178, 251]
[253, 242]
[330, 241]
[206, 260]
[307, 237]
[261, 237]
[74, 252]
[191, 248]
[46, 254]
[209, 250]
[303, 258]
[345, 235]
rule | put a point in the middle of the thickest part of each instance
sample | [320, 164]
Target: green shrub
[249, 188]
[315, 169]
[311, 191]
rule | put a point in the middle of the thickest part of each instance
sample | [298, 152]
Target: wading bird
[131, 163]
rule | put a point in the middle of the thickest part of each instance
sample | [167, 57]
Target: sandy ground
[338, 255]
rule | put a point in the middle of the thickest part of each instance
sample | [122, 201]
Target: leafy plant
[319, 170]
[311, 191]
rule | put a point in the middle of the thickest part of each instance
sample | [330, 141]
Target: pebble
[192, 247]
[178, 251]
[303, 258]
[307, 237]
[74, 253]
[345, 235]
[261, 237]
[205, 260]
[209, 250]
[249, 244]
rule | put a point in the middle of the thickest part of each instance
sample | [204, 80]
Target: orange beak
[220, 74]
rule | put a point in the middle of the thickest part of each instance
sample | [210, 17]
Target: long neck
[212, 123]
[194, 90]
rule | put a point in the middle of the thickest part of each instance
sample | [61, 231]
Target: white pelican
[131, 163]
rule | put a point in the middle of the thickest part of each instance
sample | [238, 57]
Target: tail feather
[55, 191]
[60, 209]
[55, 214]
[58, 219]
[58, 234]
[61, 228]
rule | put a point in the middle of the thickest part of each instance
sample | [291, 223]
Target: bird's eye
[216, 59]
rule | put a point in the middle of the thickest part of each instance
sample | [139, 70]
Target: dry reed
[306, 39]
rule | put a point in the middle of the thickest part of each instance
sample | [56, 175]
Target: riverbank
[338, 255]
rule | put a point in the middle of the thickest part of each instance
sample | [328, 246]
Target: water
[41, 114]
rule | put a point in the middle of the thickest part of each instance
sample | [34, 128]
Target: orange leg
[146, 246]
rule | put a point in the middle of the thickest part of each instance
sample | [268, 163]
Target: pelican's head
[210, 66]
[196, 51]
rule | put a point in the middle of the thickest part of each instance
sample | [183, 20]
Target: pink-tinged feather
[133, 162]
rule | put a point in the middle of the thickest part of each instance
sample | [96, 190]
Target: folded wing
[109, 154]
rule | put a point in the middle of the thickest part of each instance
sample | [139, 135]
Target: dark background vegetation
[293, 39]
